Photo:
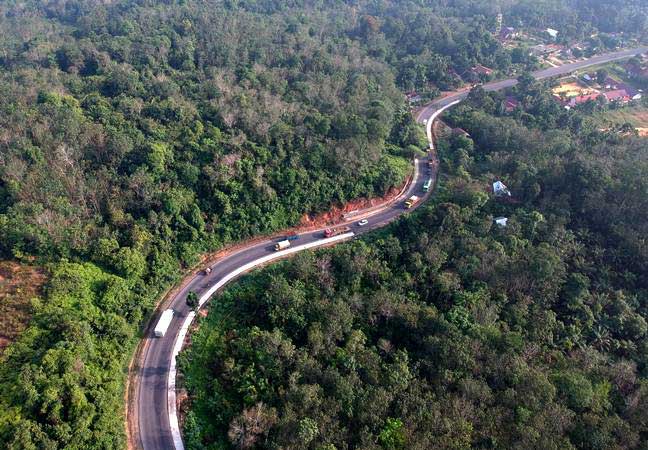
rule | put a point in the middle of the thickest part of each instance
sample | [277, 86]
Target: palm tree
[601, 338]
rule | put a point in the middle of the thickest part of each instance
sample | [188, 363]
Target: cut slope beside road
[154, 402]
[157, 426]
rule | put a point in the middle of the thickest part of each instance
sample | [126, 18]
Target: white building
[501, 221]
[500, 189]
[551, 32]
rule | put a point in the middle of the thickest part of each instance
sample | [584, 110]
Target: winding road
[153, 424]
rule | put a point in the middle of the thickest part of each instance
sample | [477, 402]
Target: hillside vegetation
[446, 330]
[136, 135]
[19, 285]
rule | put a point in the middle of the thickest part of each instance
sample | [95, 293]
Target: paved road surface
[429, 109]
[151, 395]
[151, 401]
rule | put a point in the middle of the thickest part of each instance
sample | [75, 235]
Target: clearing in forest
[637, 116]
[572, 89]
[18, 285]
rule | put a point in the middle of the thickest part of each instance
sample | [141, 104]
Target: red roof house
[578, 100]
[510, 104]
[617, 95]
[482, 70]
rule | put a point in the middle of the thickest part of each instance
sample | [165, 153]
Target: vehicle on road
[164, 322]
[155, 385]
[363, 222]
[330, 232]
[207, 271]
[411, 201]
[292, 237]
[282, 245]
[426, 186]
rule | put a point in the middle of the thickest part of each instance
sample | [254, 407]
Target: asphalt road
[151, 394]
[429, 109]
[151, 400]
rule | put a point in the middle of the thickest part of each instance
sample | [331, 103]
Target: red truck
[330, 232]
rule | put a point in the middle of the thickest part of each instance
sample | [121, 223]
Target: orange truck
[330, 232]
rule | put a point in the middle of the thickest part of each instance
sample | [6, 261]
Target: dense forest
[447, 330]
[136, 135]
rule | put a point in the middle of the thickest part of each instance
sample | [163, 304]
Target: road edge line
[179, 340]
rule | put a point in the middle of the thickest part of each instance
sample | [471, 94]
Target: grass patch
[637, 116]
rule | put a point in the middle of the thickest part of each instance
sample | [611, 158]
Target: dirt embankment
[336, 213]
[307, 222]
[19, 284]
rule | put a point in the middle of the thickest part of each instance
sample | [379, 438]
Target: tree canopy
[448, 330]
[136, 135]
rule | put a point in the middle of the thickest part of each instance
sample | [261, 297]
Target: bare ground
[19, 284]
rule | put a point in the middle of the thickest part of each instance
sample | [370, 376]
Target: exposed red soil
[19, 284]
[335, 214]
[331, 217]
[307, 223]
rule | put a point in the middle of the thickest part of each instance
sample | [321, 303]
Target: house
[551, 32]
[617, 95]
[546, 49]
[500, 189]
[500, 221]
[507, 33]
[577, 100]
[481, 70]
[510, 103]
[633, 93]
[413, 97]
[620, 91]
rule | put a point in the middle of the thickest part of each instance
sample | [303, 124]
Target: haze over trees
[137, 134]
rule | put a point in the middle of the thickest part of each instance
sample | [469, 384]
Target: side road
[429, 109]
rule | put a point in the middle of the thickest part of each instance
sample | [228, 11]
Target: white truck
[164, 322]
[282, 245]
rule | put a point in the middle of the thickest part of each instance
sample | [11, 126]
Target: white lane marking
[171, 383]
[435, 114]
[171, 394]
[206, 296]
[177, 346]
[171, 380]
[415, 177]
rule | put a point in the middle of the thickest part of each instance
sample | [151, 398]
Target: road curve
[155, 391]
[154, 394]
[429, 109]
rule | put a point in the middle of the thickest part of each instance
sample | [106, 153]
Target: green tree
[601, 76]
[192, 300]
[392, 436]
